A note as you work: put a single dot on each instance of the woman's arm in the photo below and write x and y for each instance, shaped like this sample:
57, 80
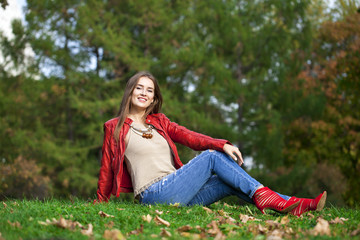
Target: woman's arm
106, 173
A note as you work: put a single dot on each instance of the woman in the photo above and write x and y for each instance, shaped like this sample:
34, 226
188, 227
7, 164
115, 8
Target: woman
139, 155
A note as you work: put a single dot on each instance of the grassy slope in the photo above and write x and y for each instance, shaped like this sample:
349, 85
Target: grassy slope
128, 217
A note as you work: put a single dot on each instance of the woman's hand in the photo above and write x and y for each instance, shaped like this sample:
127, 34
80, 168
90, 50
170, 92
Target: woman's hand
234, 153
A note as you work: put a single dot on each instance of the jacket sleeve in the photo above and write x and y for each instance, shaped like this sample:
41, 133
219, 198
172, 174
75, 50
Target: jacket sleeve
191, 139
106, 172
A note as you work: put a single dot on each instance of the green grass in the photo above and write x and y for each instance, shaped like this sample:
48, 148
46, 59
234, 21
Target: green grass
128, 217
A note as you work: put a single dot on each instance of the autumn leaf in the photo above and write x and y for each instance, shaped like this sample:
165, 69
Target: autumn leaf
137, 231
244, 218
102, 214
4, 204
113, 234
285, 220
311, 216
275, 235
175, 205
271, 224
159, 221
185, 228
109, 224
88, 231
338, 220
322, 228
213, 228
147, 218
120, 209
165, 233
15, 224
158, 212
208, 210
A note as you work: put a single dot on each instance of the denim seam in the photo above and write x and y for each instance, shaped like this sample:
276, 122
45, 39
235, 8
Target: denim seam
229, 165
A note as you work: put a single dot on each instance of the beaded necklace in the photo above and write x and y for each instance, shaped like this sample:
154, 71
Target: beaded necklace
145, 133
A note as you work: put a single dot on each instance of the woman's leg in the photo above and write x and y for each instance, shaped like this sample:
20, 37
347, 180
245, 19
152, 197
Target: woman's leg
183, 185
214, 190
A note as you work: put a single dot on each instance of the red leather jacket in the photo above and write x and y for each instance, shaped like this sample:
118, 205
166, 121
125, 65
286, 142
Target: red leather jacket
114, 177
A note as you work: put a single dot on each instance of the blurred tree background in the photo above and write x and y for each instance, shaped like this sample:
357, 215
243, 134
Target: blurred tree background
280, 79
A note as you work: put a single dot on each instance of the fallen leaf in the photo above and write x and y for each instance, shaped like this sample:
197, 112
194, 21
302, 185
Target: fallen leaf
262, 229
311, 216
102, 214
159, 220
338, 220
147, 218
153, 235
120, 209
221, 212
275, 235
15, 203
208, 210
355, 232
109, 224
15, 224
165, 233
271, 224
4, 204
188, 211
88, 231
113, 234
285, 220
213, 228
322, 228
244, 218
158, 212
185, 228
137, 231
175, 204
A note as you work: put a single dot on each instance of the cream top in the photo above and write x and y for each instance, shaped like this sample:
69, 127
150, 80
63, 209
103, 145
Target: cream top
147, 159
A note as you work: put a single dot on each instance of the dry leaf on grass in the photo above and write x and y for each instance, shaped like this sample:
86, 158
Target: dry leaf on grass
175, 205
285, 220
244, 218
4, 204
208, 210
338, 220
109, 224
272, 224
213, 228
102, 214
159, 221
69, 224
185, 228
355, 232
147, 218
165, 233
275, 235
158, 212
311, 216
113, 234
88, 231
322, 228
15, 224
120, 209
137, 231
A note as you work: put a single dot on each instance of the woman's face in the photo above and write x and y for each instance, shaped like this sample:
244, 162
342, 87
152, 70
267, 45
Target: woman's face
143, 94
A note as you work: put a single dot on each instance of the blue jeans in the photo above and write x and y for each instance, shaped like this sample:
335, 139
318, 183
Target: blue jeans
207, 178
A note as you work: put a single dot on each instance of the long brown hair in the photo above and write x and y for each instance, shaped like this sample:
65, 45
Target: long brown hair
125, 105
